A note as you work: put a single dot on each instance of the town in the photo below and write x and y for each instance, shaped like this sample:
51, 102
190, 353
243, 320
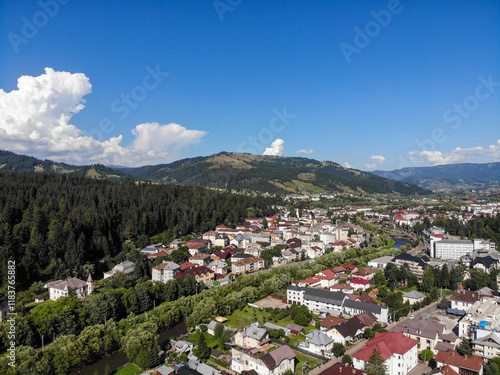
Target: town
425, 305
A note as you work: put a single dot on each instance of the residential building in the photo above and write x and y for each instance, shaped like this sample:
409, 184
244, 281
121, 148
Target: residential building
318, 343
219, 267
398, 352
247, 265
482, 315
463, 299
430, 335
364, 273
380, 263
268, 325
455, 249
277, 362
486, 344
472, 365
165, 272
200, 259
416, 265
252, 336
195, 248
329, 322
342, 369
202, 274
125, 267
64, 288
413, 297
319, 300
347, 331
485, 264
359, 284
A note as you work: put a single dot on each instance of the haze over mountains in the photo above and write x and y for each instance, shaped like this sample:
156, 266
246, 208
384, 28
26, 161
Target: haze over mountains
449, 177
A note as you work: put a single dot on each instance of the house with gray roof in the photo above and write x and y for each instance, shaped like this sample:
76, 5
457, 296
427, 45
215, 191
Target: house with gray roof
205, 369
413, 297
324, 301
429, 334
487, 345
252, 336
318, 343
182, 346
125, 267
277, 327
211, 327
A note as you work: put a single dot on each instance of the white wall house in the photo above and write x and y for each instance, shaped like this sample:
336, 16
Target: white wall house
165, 272
398, 351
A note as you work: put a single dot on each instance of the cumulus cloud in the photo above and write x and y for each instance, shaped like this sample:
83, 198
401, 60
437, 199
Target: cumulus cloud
36, 117
347, 165
303, 151
276, 148
377, 160
460, 155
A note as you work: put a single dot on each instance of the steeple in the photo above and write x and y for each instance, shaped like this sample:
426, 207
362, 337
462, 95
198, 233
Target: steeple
90, 283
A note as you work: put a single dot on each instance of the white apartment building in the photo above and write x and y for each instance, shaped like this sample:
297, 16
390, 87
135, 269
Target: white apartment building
398, 351
165, 272
455, 249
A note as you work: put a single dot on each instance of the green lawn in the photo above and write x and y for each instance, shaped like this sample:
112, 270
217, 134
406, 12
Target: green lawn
295, 339
302, 358
237, 322
251, 314
211, 342
219, 362
130, 369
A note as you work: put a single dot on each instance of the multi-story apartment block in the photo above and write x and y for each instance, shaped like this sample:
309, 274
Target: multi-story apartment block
165, 272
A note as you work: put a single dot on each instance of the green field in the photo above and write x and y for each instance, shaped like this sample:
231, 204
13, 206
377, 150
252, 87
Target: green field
237, 322
219, 362
130, 369
302, 358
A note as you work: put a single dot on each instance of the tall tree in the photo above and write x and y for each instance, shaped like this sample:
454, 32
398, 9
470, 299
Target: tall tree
375, 364
428, 279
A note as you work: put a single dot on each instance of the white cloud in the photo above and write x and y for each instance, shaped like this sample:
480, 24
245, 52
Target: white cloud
276, 148
463, 155
347, 165
35, 119
303, 151
377, 160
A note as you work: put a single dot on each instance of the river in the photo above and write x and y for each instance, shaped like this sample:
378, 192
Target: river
119, 359
399, 242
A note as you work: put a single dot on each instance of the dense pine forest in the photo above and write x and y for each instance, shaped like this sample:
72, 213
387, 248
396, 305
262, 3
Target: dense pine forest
53, 224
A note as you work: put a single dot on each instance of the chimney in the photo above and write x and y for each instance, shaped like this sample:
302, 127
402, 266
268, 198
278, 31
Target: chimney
340, 369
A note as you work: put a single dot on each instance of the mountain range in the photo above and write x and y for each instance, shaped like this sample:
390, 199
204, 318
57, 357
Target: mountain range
449, 177
277, 174
234, 171
22, 163
270, 174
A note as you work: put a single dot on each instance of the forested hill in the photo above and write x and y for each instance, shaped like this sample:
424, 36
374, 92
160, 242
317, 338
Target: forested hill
52, 224
272, 174
450, 177
22, 163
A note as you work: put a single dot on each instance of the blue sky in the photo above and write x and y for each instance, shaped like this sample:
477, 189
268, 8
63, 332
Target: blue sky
418, 87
